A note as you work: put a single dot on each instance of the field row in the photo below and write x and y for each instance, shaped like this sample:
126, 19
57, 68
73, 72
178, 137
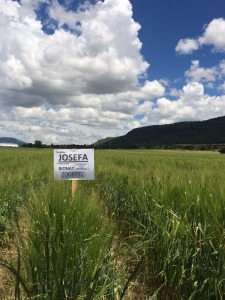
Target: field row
152, 218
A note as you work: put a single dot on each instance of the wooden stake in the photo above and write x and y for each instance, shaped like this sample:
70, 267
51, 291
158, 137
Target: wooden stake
74, 187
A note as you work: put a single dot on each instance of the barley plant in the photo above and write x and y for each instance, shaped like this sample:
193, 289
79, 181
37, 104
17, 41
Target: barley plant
173, 204
150, 226
22, 171
63, 245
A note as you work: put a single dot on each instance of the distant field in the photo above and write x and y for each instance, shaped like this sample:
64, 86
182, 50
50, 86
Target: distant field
165, 209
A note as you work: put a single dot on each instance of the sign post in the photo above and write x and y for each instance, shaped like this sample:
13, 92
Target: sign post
74, 164
74, 187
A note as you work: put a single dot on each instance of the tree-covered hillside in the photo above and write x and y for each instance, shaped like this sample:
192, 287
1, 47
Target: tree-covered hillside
185, 133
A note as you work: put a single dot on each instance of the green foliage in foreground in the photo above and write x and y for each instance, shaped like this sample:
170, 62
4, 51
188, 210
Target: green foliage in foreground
22, 172
64, 244
174, 204
169, 205
64, 247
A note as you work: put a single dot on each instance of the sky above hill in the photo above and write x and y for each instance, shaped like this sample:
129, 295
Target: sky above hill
76, 71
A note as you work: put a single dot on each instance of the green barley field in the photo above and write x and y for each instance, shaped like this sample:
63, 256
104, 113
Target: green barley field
150, 226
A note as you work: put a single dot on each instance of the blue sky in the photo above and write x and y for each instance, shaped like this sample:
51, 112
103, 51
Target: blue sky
164, 23
76, 71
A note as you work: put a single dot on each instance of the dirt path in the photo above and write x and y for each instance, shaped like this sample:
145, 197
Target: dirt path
6, 281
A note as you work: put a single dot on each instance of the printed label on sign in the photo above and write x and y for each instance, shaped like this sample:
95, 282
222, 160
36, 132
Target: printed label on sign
74, 164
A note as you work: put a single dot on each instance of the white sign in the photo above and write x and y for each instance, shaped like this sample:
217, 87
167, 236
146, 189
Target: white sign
74, 164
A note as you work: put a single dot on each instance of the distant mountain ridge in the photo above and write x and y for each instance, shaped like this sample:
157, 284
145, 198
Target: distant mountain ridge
211, 131
9, 140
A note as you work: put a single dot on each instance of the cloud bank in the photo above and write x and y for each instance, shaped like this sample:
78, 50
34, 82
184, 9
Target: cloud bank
86, 72
77, 75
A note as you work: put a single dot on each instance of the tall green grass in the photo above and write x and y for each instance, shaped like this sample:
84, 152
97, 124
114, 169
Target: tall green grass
22, 171
64, 245
169, 207
174, 205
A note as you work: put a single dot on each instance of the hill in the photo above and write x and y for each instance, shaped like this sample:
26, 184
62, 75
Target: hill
211, 131
9, 140
102, 141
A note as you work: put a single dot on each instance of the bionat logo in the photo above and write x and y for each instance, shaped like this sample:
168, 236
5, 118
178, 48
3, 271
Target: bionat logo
76, 157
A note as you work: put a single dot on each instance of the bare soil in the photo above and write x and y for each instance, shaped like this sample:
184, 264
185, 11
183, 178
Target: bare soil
6, 281
136, 289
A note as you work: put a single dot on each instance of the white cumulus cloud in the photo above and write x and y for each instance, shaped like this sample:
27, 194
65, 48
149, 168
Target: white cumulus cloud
86, 73
197, 73
78, 75
187, 46
213, 35
192, 104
